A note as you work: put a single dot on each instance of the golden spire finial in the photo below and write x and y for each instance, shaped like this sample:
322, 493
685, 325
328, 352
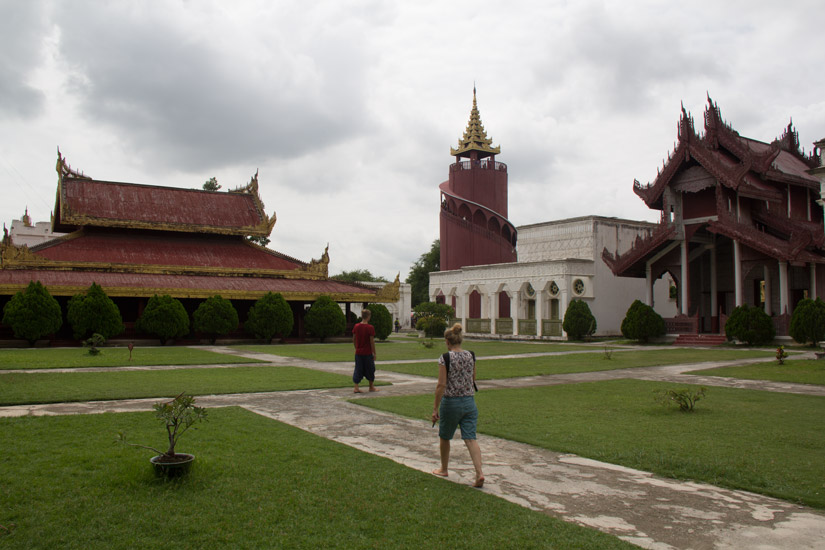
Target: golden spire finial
475, 137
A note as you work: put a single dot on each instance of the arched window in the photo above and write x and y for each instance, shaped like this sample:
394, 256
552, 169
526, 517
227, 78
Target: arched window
479, 218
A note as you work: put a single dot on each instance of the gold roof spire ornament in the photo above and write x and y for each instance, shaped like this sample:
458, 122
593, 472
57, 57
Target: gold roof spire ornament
475, 137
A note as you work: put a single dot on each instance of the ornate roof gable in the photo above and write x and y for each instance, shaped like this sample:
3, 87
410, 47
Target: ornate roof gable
730, 158
475, 137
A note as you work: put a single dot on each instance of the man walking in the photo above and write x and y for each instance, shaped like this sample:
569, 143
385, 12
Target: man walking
363, 338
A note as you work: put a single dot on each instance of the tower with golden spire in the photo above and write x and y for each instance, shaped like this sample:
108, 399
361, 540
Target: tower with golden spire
474, 228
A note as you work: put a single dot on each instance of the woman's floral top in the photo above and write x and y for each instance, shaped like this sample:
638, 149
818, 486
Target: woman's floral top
460, 375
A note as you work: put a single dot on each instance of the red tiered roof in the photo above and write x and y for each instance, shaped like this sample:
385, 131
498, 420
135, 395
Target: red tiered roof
139, 240
743, 164
161, 248
103, 203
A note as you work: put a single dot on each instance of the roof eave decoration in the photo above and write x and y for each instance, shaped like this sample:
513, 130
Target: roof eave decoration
475, 137
251, 188
652, 192
390, 292
621, 263
320, 267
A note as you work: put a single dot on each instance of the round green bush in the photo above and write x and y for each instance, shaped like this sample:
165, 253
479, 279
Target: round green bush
215, 317
750, 325
381, 320
578, 320
325, 318
808, 322
432, 325
33, 313
94, 313
164, 317
642, 323
269, 316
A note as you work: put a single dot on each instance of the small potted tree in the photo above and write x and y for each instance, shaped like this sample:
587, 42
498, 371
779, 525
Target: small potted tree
178, 415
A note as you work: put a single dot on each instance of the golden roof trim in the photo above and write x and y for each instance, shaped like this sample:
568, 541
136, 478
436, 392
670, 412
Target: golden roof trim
390, 292
130, 292
319, 268
475, 137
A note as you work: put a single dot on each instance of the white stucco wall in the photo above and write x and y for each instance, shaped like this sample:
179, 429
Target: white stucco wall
559, 252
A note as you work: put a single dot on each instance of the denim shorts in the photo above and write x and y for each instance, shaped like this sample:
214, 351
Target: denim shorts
455, 412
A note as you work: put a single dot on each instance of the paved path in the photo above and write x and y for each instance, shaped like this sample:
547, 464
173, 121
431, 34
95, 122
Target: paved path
639, 507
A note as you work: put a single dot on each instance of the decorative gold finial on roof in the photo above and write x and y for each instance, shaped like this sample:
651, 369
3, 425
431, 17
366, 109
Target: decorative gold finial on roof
475, 137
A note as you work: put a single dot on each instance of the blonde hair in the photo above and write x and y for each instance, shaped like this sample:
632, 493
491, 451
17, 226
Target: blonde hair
453, 334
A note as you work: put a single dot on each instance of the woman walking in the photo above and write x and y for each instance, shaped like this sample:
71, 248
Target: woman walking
455, 405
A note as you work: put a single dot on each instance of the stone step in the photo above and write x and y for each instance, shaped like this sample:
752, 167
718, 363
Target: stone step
700, 340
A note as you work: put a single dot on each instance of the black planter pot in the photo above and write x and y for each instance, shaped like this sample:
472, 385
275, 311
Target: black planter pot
164, 467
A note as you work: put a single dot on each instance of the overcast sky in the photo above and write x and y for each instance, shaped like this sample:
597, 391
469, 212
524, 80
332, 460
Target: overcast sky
348, 109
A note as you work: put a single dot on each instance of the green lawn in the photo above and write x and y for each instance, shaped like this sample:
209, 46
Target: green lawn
256, 483
112, 357
399, 350
764, 442
48, 387
809, 371
490, 369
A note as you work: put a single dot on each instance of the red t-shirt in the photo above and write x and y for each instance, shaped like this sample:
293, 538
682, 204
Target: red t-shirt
362, 332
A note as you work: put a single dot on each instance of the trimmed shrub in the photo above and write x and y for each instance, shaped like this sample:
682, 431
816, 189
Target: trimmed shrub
94, 313
578, 320
432, 325
215, 317
808, 322
164, 317
432, 318
325, 318
642, 323
750, 325
269, 316
381, 320
33, 313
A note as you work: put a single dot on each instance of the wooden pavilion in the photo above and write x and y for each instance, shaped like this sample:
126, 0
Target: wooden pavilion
740, 224
136, 241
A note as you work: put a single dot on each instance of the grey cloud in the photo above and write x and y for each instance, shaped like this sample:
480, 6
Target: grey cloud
196, 104
22, 31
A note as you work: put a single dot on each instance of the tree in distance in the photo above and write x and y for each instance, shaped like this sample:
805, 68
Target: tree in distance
211, 184
164, 317
94, 313
325, 318
419, 277
358, 275
381, 320
215, 316
33, 313
269, 316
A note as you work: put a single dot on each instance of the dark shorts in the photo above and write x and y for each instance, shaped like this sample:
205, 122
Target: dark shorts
455, 412
364, 368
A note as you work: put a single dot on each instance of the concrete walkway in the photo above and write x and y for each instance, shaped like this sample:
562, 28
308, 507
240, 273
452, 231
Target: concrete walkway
639, 507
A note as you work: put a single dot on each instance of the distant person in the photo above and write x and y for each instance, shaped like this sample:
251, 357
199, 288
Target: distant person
454, 402
363, 338
397, 326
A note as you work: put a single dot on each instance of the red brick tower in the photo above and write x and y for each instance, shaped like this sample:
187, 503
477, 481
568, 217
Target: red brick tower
474, 225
